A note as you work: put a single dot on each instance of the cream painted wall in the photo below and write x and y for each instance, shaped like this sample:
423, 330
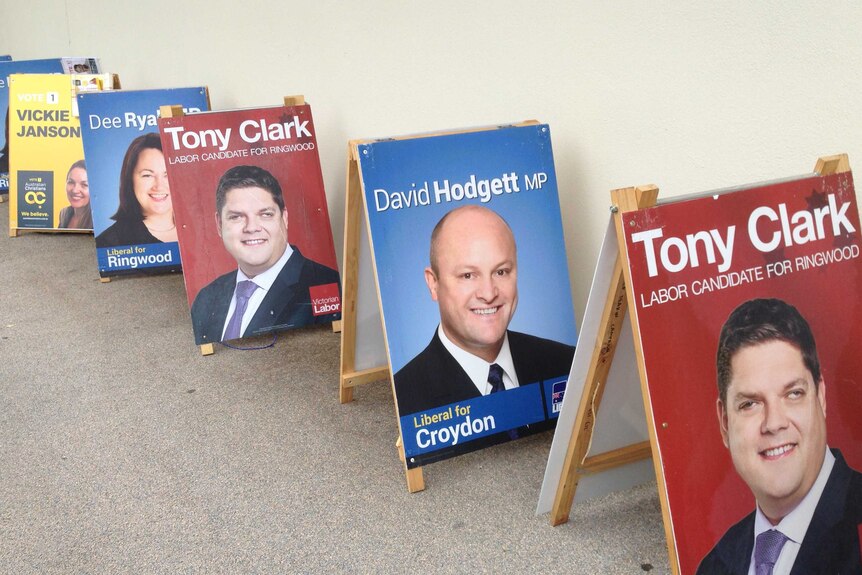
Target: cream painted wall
687, 95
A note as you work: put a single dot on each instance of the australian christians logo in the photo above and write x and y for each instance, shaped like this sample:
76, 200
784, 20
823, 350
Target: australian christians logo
325, 299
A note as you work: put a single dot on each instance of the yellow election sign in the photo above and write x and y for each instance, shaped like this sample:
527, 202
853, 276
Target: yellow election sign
48, 185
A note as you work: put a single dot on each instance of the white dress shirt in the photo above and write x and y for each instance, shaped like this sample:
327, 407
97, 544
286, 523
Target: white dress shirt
264, 282
477, 368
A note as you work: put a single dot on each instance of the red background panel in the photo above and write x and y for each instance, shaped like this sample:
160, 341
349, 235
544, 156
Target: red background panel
193, 187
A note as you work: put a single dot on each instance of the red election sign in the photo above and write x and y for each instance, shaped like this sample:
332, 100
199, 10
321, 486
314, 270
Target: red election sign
692, 263
248, 197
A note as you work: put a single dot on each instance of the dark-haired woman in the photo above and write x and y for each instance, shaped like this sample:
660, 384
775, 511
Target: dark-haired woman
77, 214
146, 213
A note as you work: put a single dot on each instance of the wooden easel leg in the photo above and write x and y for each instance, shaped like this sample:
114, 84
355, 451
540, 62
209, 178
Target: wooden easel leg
336, 326
297, 100
13, 232
207, 349
627, 200
105, 280
575, 464
350, 277
345, 394
4, 198
415, 480
828, 165
613, 314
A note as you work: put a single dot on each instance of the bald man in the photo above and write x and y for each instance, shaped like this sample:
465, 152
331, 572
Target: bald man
473, 277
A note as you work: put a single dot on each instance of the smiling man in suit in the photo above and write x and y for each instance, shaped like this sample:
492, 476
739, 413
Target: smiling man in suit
270, 289
772, 416
473, 277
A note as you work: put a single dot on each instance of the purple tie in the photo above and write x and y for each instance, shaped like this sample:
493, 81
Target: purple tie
767, 548
495, 378
244, 289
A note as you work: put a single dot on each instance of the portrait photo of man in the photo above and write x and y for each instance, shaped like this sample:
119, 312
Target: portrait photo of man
270, 289
771, 411
473, 278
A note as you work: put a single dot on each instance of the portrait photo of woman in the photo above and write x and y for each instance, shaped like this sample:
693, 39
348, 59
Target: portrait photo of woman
77, 214
145, 214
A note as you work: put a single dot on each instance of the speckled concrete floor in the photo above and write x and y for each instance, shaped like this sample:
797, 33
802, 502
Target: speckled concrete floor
123, 450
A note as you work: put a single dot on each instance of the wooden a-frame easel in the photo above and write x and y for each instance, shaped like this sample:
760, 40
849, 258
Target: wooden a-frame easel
618, 303
577, 463
354, 217
354, 210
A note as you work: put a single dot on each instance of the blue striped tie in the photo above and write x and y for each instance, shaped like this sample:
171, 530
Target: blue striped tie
495, 378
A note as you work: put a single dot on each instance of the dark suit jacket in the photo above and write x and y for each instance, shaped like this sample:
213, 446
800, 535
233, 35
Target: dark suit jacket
434, 378
126, 233
287, 303
831, 544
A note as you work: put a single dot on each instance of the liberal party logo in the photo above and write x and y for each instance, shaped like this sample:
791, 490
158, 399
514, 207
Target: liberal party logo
557, 393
